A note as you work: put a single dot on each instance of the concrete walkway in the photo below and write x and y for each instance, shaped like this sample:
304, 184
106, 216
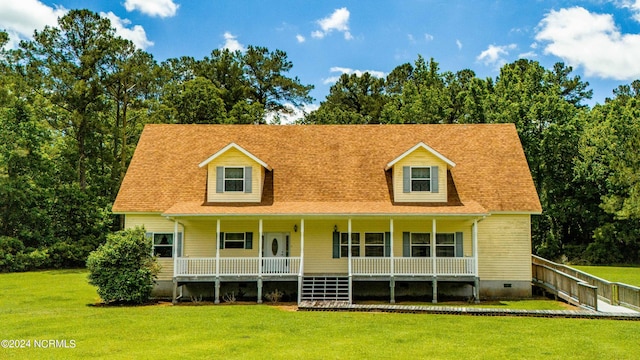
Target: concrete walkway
605, 307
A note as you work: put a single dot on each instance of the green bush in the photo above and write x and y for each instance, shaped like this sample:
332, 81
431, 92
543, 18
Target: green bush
15, 257
124, 269
9, 248
68, 254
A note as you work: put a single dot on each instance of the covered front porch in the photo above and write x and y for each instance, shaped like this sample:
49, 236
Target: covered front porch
343, 249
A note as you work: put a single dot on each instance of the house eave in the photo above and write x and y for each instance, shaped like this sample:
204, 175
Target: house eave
239, 148
416, 147
332, 215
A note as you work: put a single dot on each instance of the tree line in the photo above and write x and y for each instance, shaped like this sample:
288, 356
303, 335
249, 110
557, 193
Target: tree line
74, 100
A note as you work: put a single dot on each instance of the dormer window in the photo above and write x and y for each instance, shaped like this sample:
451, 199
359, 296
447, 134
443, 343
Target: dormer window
234, 175
420, 179
420, 175
233, 179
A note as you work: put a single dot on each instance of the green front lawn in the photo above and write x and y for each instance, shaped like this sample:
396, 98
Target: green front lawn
59, 305
627, 275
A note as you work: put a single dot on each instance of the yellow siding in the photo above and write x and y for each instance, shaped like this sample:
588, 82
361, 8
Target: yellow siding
504, 244
154, 223
420, 157
503, 240
425, 226
234, 157
318, 248
200, 236
166, 268
319, 239
151, 222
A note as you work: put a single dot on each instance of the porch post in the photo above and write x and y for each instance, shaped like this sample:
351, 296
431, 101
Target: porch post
260, 261
175, 260
392, 282
218, 241
474, 237
433, 261
349, 264
301, 271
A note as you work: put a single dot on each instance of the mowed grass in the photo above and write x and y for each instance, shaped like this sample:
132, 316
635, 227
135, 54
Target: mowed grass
627, 275
59, 305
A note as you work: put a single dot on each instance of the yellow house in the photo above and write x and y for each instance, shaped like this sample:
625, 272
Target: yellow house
334, 212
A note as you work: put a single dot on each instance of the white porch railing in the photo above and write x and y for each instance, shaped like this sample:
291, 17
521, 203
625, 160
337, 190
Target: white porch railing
278, 266
243, 266
238, 266
455, 266
371, 266
195, 266
413, 266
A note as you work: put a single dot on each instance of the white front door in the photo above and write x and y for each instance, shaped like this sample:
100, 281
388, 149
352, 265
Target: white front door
275, 245
274, 252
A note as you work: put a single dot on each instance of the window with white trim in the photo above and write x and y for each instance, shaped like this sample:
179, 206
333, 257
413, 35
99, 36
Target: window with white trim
420, 179
234, 240
420, 244
233, 179
445, 245
163, 245
344, 244
374, 244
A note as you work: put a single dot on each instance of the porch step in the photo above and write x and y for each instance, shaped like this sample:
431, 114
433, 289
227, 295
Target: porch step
325, 288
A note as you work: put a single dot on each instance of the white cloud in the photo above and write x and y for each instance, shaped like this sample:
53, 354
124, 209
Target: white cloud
459, 44
20, 21
21, 18
428, 37
591, 40
231, 42
344, 70
632, 5
528, 55
337, 21
494, 55
159, 8
411, 38
136, 34
296, 114
300, 38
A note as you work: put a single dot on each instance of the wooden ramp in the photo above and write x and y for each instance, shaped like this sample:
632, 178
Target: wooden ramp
582, 289
454, 310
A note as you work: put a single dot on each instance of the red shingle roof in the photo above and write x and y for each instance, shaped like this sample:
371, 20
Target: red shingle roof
328, 169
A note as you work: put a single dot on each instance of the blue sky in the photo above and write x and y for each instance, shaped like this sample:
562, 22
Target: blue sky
323, 39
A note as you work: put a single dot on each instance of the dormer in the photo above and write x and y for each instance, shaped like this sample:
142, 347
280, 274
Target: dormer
234, 175
420, 175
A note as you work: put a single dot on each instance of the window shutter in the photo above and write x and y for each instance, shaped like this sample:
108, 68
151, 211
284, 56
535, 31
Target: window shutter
149, 235
336, 245
247, 179
406, 179
406, 244
221, 240
219, 179
179, 245
387, 244
248, 240
287, 246
459, 245
434, 179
